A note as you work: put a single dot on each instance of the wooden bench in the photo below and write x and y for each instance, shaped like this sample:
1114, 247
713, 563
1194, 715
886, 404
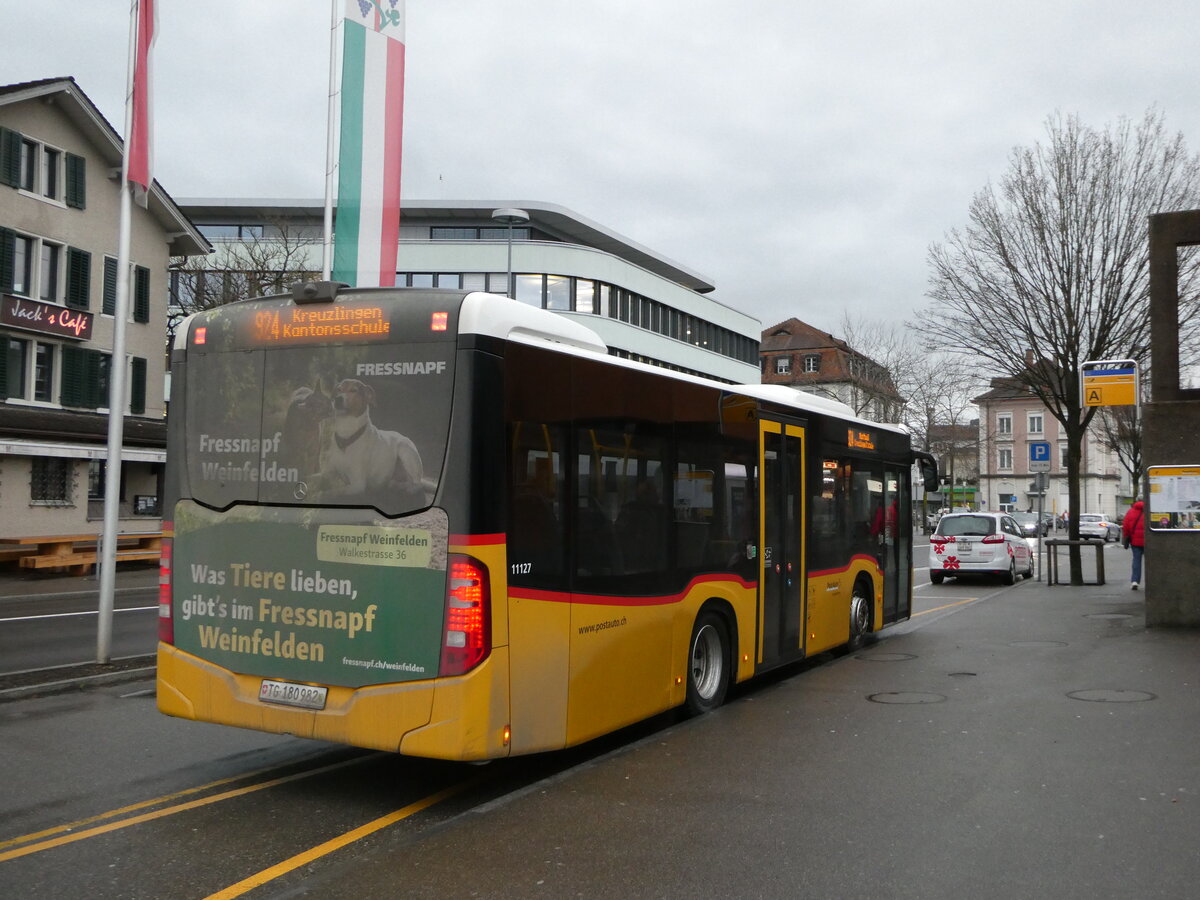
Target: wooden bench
79, 553
8, 554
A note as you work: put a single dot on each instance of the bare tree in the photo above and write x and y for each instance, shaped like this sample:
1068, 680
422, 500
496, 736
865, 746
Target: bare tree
936, 388
1054, 260
881, 355
265, 260
1119, 430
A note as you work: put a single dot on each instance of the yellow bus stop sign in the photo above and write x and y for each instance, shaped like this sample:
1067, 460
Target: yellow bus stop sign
1110, 383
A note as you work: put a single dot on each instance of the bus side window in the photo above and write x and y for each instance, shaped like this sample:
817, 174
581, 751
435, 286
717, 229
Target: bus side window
621, 513
535, 533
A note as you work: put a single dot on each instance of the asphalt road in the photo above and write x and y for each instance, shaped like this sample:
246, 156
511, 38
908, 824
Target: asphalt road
947, 759
38, 632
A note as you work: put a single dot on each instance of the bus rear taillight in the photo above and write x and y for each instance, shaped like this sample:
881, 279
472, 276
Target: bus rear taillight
468, 634
166, 624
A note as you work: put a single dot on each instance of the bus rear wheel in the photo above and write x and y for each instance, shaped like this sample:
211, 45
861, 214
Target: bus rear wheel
860, 614
708, 664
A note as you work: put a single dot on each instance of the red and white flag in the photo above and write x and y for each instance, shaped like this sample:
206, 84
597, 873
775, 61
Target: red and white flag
139, 149
367, 236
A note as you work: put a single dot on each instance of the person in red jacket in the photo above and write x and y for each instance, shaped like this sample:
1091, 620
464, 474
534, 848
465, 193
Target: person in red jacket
1133, 530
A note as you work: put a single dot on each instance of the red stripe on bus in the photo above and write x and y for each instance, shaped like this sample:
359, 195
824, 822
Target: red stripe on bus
846, 568
614, 600
477, 540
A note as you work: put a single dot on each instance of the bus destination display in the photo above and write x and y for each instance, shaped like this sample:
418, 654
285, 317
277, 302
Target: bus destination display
309, 324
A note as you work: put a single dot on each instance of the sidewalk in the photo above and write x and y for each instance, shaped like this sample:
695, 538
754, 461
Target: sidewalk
1032, 742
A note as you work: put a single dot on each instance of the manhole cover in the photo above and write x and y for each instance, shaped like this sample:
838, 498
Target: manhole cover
885, 657
1038, 644
1112, 696
905, 697
1108, 616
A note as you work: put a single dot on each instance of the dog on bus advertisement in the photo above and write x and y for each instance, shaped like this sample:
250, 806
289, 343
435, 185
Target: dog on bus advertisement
330, 426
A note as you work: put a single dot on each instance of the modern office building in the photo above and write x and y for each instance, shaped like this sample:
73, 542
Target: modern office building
59, 217
643, 305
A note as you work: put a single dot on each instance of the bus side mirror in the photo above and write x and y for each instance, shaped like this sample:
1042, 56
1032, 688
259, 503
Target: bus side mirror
929, 473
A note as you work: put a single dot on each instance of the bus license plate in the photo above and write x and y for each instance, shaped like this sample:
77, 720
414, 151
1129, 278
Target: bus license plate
306, 696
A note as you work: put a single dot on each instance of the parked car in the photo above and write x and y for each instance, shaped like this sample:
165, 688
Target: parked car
1102, 528
1031, 525
980, 543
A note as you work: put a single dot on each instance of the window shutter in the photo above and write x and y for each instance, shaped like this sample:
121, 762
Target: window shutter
76, 195
97, 380
73, 366
141, 294
109, 300
79, 276
8, 250
137, 387
10, 157
84, 378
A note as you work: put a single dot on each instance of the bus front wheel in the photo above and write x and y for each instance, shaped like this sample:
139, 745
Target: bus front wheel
708, 664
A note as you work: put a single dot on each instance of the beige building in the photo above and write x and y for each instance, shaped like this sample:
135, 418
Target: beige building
1010, 420
59, 209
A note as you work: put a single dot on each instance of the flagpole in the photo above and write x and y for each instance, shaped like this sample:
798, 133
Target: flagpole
116, 374
330, 142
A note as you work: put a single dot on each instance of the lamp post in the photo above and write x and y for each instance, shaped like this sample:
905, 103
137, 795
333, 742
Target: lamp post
510, 217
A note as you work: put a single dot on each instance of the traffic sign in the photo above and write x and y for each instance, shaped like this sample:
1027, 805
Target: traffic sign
1039, 456
1110, 382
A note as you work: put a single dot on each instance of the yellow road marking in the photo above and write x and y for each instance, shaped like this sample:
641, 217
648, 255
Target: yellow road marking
947, 606
112, 813
314, 853
157, 814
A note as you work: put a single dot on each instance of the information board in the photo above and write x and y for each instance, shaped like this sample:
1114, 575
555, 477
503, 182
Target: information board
1174, 498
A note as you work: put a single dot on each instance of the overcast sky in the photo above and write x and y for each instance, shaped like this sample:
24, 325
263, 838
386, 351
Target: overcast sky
803, 155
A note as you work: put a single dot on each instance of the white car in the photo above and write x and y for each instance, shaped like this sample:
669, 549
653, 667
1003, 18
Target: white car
979, 543
1102, 528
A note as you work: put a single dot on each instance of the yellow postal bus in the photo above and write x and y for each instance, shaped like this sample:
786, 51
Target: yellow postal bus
450, 525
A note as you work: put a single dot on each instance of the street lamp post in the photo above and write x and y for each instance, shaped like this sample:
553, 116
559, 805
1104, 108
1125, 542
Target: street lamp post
510, 217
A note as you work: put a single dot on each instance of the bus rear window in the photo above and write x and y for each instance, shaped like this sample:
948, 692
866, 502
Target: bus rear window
349, 425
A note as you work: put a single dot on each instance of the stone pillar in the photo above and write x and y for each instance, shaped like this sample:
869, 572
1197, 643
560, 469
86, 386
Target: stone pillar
1170, 425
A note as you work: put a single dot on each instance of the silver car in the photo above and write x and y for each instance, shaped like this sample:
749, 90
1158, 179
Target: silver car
1093, 526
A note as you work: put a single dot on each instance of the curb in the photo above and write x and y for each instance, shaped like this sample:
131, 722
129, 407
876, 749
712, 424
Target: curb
80, 683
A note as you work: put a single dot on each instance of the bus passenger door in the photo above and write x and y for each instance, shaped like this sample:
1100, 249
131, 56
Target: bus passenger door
896, 553
782, 562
